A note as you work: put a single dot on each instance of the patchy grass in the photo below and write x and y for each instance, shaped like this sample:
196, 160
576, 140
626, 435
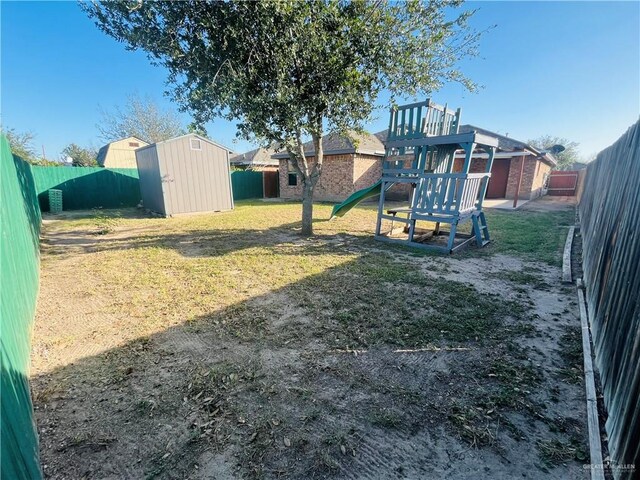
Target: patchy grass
230, 346
533, 235
554, 452
570, 345
523, 279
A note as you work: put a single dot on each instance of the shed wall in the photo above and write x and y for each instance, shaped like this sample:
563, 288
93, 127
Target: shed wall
150, 180
194, 180
122, 155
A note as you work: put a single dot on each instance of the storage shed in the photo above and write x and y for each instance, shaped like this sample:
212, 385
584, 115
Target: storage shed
120, 153
185, 174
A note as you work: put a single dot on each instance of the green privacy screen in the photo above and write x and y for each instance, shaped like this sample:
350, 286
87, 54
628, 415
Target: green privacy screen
19, 265
246, 184
87, 187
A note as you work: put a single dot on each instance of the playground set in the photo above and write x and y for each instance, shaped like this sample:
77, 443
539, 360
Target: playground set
421, 146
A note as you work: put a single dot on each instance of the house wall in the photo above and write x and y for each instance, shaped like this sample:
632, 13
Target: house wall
533, 175
121, 154
341, 176
367, 170
334, 185
542, 171
532, 181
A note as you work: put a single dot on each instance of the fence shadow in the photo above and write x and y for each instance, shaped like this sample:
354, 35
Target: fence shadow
85, 188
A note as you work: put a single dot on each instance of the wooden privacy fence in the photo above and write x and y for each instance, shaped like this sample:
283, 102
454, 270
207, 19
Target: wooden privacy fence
564, 182
609, 215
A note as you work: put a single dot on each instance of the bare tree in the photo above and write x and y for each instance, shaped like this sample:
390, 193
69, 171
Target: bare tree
141, 117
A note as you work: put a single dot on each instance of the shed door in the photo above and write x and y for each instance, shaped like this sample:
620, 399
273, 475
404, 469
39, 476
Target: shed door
497, 187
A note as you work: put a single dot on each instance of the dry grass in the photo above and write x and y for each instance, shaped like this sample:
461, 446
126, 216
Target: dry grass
227, 346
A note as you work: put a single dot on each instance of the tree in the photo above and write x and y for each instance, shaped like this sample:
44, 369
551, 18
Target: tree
565, 158
21, 144
293, 70
193, 127
80, 157
141, 118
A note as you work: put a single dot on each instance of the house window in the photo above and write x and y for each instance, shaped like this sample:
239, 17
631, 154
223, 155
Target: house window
134, 144
293, 180
195, 144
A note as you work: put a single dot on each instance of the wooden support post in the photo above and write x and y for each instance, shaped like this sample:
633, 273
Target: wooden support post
491, 151
383, 188
468, 153
456, 125
392, 117
520, 173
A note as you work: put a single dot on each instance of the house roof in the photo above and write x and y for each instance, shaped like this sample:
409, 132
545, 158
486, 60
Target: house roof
102, 153
257, 156
373, 144
336, 144
508, 144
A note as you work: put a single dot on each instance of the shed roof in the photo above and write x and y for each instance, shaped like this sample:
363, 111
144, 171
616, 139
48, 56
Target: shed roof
194, 135
336, 144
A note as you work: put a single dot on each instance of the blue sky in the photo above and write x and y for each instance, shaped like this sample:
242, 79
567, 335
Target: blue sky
570, 69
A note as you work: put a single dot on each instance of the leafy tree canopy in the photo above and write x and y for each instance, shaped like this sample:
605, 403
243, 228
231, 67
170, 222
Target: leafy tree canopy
21, 144
141, 117
80, 157
287, 70
566, 158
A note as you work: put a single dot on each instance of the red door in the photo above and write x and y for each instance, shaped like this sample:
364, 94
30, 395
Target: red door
497, 187
270, 180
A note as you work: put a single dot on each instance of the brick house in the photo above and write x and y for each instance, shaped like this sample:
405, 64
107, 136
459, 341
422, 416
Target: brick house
508, 170
257, 159
349, 164
348, 168
519, 170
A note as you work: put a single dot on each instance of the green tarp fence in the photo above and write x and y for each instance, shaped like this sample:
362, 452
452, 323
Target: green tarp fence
246, 184
87, 187
19, 275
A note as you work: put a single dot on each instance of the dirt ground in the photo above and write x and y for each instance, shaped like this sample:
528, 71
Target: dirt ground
227, 347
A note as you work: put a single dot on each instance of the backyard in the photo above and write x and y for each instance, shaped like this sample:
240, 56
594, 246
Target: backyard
228, 346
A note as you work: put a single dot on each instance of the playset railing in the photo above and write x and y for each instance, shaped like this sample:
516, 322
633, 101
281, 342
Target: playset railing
424, 118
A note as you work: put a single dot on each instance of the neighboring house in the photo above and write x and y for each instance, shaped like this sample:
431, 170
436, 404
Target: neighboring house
121, 153
185, 174
349, 164
257, 159
515, 163
348, 168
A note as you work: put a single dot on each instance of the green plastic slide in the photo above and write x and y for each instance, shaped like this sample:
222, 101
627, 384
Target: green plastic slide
341, 208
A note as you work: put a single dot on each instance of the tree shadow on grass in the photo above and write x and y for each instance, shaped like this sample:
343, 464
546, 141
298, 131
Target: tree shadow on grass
195, 243
272, 386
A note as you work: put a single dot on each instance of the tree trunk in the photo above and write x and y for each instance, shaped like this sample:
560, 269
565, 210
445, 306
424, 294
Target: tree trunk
309, 176
307, 208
